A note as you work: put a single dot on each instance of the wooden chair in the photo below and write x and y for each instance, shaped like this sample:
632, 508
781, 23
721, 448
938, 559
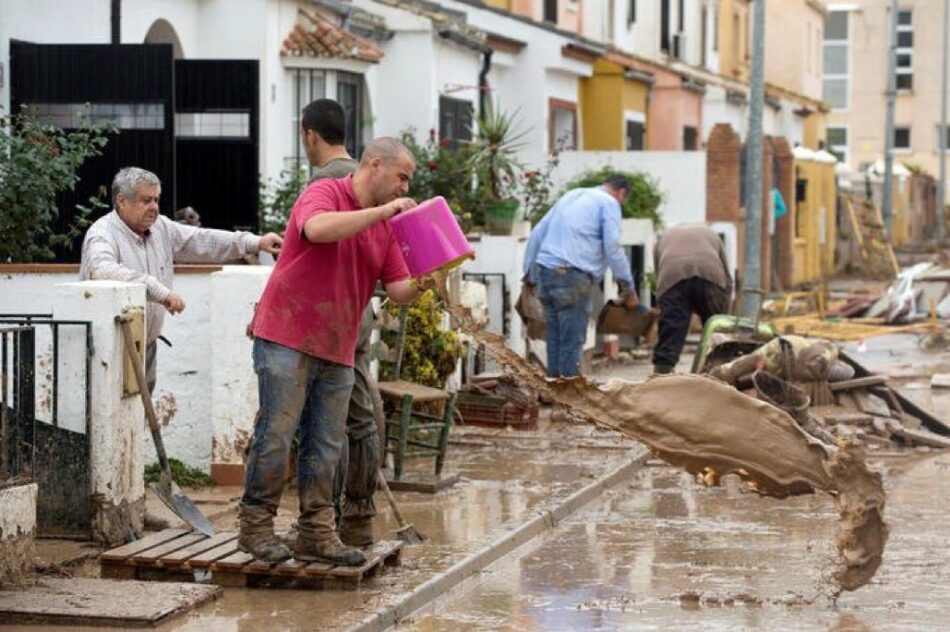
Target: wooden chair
407, 429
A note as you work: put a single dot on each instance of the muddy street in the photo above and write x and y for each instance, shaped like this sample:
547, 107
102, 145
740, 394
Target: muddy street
663, 553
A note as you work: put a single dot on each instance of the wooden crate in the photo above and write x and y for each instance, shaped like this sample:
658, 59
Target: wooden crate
176, 555
477, 409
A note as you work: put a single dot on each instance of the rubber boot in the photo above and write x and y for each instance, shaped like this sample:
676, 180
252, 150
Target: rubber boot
356, 531
257, 536
308, 549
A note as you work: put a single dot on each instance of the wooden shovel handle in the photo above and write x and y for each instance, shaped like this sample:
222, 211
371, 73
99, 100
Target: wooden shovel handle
136, 359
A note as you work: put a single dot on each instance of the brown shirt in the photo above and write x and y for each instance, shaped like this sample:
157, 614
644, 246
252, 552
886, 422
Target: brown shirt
684, 252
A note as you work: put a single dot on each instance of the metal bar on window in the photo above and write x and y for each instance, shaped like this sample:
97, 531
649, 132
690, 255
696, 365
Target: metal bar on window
55, 399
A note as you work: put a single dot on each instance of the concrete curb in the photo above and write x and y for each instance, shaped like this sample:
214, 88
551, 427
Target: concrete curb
501, 546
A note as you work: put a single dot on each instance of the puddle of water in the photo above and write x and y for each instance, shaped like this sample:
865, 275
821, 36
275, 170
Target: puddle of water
663, 553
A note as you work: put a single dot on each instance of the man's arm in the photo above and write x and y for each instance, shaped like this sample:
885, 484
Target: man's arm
534, 245
613, 251
725, 264
402, 292
191, 244
100, 260
330, 227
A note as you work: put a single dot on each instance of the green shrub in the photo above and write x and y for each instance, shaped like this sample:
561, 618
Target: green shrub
37, 163
430, 353
182, 474
277, 196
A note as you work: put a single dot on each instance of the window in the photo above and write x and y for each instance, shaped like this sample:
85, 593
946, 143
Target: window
634, 135
309, 85
550, 11
665, 26
901, 138
904, 71
631, 11
838, 143
562, 125
690, 137
946, 138
455, 120
835, 61
715, 26
141, 116
212, 124
349, 94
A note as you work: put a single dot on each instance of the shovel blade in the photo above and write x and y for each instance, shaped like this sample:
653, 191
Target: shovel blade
181, 506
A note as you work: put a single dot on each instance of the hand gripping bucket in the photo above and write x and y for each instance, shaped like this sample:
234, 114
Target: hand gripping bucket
431, 238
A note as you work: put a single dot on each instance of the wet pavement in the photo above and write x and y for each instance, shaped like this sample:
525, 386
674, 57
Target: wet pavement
656, 552
662, 552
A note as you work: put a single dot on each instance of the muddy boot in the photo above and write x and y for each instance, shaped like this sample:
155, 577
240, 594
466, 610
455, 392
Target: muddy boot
308, 549
663, 369
257, 536
357, 531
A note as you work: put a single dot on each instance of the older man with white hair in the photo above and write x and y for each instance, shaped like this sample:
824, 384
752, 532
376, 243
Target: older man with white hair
136, 243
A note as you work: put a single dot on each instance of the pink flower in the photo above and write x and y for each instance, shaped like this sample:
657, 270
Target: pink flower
444, 142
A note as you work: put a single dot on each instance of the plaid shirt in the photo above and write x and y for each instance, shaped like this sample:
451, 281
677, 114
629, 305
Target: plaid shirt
112, 250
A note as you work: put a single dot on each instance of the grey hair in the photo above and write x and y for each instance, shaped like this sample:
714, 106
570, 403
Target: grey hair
128, 178
385, 147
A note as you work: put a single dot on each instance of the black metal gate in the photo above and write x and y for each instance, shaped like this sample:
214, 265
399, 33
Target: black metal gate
194, 123
216, 111
45, 450
128, 84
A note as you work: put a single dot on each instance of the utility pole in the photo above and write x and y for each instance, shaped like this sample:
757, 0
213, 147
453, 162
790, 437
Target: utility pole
752, 276
887, 203
942, 182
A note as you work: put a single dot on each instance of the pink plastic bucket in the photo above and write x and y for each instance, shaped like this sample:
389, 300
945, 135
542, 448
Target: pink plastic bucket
431, 238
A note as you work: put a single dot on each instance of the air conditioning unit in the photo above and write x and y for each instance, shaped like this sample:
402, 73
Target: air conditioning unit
679, 45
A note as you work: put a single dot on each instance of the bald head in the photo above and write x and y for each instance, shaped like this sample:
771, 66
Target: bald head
385, 148
385, 171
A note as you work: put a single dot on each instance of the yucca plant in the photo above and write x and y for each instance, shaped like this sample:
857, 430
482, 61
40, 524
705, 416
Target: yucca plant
495, 165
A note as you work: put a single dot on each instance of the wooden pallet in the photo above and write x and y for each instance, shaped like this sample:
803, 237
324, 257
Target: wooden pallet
177, 554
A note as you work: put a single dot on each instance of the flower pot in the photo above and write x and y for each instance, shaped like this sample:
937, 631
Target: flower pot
500, 216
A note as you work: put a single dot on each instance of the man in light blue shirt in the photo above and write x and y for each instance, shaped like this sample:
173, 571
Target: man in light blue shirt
568, 252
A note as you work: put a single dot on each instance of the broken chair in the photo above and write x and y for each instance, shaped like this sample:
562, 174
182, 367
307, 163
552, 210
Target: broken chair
409, 430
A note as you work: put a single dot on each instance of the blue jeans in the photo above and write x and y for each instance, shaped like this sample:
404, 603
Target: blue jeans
566, 296
296, 389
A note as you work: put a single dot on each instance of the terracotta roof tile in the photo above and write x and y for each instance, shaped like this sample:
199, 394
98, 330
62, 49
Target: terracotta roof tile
316, 36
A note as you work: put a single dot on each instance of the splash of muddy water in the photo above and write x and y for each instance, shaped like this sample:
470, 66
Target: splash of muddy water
710, 429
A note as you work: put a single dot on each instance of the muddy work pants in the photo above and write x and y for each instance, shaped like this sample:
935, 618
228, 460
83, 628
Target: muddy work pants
296, 390
566, 296
354, 483
677, 306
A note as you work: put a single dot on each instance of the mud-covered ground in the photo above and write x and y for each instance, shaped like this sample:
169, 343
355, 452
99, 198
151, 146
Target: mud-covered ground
662, 552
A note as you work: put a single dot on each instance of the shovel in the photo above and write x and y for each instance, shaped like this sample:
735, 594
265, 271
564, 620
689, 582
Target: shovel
406, 532
165, 488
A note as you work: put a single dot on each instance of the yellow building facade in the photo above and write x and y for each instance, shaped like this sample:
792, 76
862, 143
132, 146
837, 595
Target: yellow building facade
610, 99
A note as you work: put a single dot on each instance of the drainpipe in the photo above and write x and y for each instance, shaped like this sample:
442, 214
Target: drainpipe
483, 84
115, 20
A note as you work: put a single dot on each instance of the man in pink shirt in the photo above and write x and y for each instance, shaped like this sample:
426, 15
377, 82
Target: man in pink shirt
337, 245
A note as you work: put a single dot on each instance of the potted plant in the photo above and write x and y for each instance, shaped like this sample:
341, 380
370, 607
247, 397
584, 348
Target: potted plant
493, 162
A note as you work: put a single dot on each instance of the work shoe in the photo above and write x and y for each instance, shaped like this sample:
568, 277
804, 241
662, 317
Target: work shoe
663, 369
357, 532
330, 550
264, 546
